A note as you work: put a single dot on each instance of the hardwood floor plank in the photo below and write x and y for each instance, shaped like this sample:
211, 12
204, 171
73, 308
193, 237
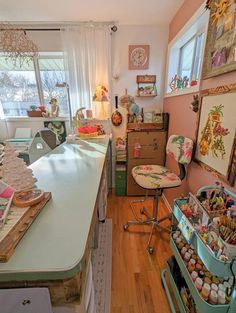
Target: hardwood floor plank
136, 282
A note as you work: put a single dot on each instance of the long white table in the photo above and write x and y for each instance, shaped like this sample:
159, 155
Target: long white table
54, 246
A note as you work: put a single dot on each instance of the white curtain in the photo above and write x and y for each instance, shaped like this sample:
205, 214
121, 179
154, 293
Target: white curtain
87, 53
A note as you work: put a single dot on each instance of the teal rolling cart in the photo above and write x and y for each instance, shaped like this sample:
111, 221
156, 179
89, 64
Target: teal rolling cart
213, 265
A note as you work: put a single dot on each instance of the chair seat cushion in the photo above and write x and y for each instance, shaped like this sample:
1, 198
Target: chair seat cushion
155, 177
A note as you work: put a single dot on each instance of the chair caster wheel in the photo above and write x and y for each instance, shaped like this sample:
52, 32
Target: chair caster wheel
150, 250
125, 227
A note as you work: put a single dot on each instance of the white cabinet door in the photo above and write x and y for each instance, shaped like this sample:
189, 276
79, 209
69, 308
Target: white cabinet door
25, 300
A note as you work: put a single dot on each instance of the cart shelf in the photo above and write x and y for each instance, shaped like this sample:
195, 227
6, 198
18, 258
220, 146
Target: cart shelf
213, 264
201, 304
174, 288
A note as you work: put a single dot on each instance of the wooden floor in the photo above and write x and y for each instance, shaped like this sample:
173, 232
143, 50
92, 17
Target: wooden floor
136, 283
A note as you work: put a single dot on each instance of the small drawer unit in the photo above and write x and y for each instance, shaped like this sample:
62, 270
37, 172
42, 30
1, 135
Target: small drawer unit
120, 179
144, 147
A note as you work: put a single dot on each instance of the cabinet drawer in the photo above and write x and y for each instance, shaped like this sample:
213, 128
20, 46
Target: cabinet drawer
156, 152
120, 178
146, 138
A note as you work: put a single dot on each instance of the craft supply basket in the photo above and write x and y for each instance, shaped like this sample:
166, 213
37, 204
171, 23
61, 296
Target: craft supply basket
209, 189
213, 265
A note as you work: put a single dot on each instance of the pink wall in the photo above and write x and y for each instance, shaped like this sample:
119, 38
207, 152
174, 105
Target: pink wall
182, 119
188, 8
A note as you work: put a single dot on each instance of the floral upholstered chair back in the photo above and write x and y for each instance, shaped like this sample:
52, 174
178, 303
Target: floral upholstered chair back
181, 148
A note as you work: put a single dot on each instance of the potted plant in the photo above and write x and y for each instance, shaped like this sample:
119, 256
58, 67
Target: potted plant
33, 112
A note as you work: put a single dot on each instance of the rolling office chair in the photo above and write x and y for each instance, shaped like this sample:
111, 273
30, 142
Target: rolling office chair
156, 177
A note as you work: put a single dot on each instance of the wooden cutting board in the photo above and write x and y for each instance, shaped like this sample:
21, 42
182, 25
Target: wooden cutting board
19, 220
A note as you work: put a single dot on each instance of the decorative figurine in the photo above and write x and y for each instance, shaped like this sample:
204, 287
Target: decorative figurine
185, 82
13, 170
194, 105
54, 109
79, 115
173, 83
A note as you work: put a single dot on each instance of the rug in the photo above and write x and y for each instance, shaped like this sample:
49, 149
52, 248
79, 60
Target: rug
102, 265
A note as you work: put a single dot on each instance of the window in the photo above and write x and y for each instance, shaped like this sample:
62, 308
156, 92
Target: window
185, 53
190, 58
32, 84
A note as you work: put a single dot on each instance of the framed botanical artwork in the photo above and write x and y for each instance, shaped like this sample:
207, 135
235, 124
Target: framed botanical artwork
220, 50
138, 57
216, 132
57, 127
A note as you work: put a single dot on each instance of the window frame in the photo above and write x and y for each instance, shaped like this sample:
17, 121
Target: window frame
39, 85
195, 27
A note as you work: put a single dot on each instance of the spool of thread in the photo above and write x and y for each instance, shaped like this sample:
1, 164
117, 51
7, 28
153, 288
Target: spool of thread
198, 267
191, 265
215, 280
178, 240
221, 287
198, 283
214, 287
175, 236
190, 251
213, 297
180, 245
187, 257
194, 275
183, 251
207, 280
205, 292
221, 297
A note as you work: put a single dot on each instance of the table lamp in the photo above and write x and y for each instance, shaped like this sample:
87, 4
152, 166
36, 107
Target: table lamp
101, 96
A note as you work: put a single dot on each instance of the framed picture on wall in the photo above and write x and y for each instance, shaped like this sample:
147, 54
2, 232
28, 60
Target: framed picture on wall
220, 50
216, 139
57, 127
138, 57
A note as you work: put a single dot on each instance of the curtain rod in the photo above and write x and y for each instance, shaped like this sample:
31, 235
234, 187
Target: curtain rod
113, 28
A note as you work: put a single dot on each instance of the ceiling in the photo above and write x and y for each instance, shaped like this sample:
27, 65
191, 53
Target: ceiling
134, 12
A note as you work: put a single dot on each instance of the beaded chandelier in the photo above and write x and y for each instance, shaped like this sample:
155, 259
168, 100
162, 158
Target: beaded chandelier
15, 44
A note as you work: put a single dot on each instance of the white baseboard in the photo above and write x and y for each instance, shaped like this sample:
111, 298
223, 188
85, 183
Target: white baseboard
166, 202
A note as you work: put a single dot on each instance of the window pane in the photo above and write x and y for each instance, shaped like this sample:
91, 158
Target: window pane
198, 57
51, 73
18, 88
186, 59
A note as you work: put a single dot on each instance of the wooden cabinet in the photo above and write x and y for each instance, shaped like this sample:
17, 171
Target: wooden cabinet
152, 145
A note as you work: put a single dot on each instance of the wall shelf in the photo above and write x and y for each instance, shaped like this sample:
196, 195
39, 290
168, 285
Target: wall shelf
146, 86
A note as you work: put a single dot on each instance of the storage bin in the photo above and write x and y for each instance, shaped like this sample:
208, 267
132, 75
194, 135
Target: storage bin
120, 180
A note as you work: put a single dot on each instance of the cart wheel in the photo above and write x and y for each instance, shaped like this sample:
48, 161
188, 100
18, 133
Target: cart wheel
150, 250
125, 227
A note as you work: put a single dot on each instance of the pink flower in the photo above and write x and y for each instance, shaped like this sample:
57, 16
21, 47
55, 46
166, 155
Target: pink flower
170, 176
146, 167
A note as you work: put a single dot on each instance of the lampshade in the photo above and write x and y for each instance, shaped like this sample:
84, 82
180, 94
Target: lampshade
101, 93
100, 104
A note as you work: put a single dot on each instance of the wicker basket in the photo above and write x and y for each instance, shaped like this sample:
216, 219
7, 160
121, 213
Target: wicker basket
34, 113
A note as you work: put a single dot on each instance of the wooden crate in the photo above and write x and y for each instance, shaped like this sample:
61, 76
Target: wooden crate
24, 219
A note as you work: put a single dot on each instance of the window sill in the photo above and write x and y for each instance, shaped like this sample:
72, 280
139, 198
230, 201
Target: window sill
182, 92
34, 119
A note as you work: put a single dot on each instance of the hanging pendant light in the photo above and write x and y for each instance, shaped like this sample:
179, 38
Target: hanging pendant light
15, 44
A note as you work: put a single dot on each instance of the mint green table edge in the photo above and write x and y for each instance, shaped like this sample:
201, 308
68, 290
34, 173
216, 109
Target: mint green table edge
85, 161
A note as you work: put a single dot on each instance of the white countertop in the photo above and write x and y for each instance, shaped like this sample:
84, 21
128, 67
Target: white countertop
54, 245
